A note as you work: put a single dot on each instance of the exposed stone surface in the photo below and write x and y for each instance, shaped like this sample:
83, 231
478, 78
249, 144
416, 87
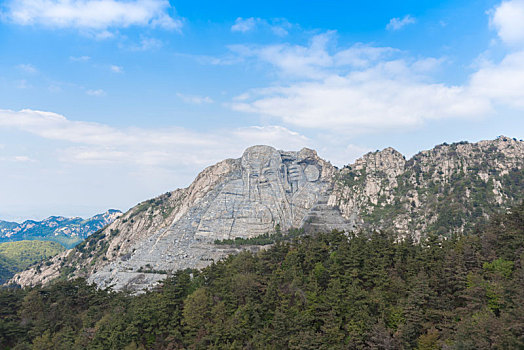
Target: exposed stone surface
243, 197
270, 187
264, 188
435, 191
440, 190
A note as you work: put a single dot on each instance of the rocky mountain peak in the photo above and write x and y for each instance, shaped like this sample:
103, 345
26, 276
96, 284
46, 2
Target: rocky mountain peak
270, 187
386, 163
235, 198
440, 190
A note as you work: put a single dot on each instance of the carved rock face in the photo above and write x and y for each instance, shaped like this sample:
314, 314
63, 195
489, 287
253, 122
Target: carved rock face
243, 197
248, 196
274, 187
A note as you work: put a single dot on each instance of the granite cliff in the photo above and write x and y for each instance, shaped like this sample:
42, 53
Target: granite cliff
444, 190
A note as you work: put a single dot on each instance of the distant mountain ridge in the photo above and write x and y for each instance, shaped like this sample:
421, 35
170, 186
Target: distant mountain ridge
446, 190
66, 231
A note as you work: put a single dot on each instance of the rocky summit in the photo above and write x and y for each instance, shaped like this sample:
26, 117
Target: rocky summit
437, 191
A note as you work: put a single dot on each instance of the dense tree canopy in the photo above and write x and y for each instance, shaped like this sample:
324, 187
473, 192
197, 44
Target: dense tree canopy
327, 291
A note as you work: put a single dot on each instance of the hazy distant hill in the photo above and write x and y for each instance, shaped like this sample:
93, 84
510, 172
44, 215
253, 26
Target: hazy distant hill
66, 231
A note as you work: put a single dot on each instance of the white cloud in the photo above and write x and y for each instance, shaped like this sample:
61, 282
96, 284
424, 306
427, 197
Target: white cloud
23, 159
314, 61
269, 135
28, 68
103, 35
116, 69
278, 26
398, 23
293, 60
82, 168
79, 58
501, 82
145, 44
100, 143
23, 84
244, 24
225, 60
18, 159
194, 99
363, 102
54, 88
96, 15
508, 19
98, 92
365, 88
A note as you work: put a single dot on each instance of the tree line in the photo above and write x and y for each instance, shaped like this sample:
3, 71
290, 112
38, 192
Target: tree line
324, 291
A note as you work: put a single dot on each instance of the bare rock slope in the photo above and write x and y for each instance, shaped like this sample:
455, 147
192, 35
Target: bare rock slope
442, 190
243, 197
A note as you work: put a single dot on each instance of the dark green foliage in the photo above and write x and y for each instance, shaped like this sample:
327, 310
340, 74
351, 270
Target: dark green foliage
7, 268
327, 291
265, 239
161, 202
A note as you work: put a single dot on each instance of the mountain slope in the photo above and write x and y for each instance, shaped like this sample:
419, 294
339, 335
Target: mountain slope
446, 190
323, 291
66, 231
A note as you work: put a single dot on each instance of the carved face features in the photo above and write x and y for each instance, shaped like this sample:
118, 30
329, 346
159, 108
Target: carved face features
295, 172
259, 170
267, 170
275, 187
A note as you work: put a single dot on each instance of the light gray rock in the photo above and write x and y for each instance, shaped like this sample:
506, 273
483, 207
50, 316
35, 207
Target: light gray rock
262, 189
382, 190
249, 196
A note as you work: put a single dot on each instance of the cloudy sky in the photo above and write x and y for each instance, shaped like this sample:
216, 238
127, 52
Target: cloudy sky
105, 103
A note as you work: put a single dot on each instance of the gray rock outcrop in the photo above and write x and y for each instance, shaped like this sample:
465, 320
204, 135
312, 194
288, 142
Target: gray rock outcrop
445, 190
244, 198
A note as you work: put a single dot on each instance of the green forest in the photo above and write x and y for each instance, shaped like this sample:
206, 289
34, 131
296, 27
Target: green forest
324, 291
18, 256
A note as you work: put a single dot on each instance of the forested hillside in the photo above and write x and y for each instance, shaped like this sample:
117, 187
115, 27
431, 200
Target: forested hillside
448, 189
17, 256
325, 291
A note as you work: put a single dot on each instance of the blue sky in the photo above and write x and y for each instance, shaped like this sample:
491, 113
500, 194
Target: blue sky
106, 103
